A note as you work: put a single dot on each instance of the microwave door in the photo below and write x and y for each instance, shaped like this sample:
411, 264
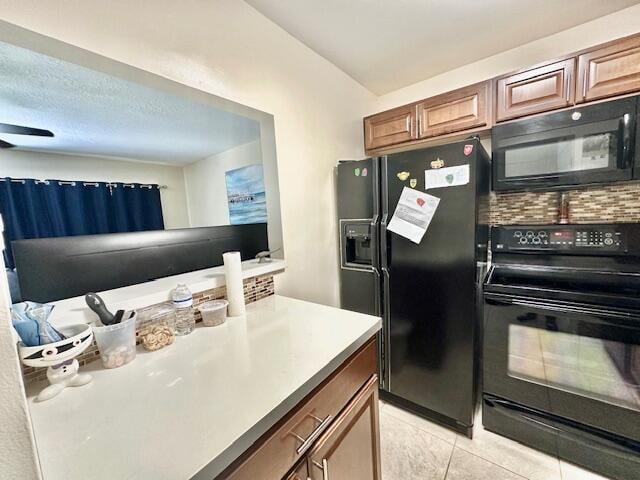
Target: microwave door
593, 152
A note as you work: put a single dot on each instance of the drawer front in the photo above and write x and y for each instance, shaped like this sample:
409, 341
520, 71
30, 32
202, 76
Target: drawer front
390, 128
609, 71
537, 90
455, 111
275, 455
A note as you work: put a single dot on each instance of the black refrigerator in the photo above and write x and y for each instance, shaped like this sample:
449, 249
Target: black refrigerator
428, 293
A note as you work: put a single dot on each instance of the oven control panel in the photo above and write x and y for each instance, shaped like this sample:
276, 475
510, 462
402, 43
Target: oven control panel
560, 238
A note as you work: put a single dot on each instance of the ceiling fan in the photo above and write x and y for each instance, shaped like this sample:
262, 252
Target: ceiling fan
18, 130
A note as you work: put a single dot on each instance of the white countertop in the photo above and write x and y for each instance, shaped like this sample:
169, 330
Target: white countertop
187, 411
75, 310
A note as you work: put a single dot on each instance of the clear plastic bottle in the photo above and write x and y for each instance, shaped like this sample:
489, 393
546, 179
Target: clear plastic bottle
183, 303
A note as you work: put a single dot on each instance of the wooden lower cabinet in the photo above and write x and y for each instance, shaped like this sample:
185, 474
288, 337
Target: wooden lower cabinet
282, 453
350, 448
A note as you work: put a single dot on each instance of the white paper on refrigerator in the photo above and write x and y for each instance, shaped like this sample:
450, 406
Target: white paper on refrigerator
446, 177
413, 214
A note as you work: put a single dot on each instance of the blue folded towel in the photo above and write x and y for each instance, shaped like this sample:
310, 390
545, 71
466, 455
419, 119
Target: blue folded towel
30, 321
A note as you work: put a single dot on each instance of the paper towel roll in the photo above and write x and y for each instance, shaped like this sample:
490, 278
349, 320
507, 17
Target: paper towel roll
233, 277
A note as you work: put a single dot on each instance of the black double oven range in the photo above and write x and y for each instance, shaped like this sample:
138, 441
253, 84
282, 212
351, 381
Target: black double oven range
561, 339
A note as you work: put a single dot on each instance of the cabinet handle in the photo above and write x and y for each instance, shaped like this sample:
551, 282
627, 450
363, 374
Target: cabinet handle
307, 442
584, 84
324, 466
419, 132
568, 87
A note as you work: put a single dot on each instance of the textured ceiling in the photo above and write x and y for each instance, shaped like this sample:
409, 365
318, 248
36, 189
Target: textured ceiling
389, 44
92, 113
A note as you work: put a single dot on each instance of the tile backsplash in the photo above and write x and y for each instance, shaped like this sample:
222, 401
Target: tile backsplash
255, 288
615, 203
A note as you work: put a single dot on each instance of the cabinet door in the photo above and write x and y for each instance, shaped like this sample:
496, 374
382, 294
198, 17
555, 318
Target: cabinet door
350, 448
608, 71
300, 473
535, 90
289, 441
454, 111
389, 128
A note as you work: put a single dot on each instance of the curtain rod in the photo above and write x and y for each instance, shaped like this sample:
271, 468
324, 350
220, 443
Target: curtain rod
86, 184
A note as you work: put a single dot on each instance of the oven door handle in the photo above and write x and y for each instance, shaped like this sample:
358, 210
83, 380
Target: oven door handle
499, 300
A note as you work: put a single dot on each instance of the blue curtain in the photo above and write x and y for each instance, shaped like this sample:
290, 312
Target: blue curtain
36, 209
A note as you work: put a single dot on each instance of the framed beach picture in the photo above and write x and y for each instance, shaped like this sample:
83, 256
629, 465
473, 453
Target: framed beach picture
245, 195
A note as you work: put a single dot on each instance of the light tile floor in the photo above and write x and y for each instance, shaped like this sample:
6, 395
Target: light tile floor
416, 449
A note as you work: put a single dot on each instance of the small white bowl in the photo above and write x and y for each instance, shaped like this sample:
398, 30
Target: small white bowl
79, 337
214, 312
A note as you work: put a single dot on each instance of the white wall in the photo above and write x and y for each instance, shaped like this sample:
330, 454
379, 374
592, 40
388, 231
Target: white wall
18, 458
229, 49
618, 24
206, 187
41, 165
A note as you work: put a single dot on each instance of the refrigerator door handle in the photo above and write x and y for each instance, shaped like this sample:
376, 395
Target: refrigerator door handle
384, 259
384, 254
377, 295
384, 196
375, 259
375, 178
386, 305
386, 328
375, 234
375, 220
379, 312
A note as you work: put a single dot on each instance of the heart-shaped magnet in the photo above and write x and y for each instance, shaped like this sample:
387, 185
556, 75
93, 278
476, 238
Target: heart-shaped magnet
420, 201
449, 178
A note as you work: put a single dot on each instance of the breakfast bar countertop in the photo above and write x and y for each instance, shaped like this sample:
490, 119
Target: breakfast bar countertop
189, 410
74, 310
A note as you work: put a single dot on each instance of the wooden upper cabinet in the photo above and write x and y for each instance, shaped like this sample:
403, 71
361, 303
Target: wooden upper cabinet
599, 72
389, 128
608, 71
454, 111
536, 90
350, 448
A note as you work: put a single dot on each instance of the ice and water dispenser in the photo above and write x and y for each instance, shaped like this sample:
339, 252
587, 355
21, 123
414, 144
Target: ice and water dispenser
356, 244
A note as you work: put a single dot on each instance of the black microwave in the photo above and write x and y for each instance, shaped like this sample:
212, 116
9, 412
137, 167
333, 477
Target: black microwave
583, 145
